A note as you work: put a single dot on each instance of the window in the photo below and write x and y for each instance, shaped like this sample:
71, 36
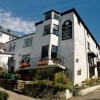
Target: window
47, 29
25, 58
28, 42
12, 47
56, 16
44, 54
48, 16
79, 72
54, 52
87, 33
97, 56
79, 21
55, 29
88, 45
11, 37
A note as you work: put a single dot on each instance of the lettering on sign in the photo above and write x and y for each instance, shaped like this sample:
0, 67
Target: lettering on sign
67, 30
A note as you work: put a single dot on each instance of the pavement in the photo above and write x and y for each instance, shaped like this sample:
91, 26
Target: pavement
95, 95
15, 96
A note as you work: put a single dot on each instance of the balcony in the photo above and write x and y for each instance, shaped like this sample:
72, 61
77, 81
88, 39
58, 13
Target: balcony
38, 62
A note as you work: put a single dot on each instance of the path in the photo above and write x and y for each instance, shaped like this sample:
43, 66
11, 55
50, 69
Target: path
95, 95
15, 96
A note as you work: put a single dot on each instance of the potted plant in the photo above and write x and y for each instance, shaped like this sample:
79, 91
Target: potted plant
25, 64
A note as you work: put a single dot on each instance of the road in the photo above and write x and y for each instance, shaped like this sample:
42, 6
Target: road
95, 95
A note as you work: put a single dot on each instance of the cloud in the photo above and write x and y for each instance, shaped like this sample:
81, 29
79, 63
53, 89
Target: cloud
17, 24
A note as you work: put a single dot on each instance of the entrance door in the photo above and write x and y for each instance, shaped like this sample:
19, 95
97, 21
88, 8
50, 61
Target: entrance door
10, 65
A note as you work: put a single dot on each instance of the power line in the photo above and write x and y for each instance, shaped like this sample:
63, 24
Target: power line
63, 7
44, 6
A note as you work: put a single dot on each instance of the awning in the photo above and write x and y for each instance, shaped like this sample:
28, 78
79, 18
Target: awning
92, 54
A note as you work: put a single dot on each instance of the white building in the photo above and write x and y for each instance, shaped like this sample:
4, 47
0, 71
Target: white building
5, 37
63, 40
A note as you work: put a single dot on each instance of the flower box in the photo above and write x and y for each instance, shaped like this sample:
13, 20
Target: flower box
23, 65
40, 63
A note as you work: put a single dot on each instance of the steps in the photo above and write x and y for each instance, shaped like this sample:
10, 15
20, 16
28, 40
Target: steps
20, 85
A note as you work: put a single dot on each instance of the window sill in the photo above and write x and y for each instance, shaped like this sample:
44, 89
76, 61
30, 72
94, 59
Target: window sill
55, 34
27, 46
52, 18
46, 34
11, 50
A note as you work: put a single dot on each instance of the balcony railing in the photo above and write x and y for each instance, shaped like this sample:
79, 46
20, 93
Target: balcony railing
38, 61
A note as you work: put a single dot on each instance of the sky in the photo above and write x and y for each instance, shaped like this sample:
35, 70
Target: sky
20, 16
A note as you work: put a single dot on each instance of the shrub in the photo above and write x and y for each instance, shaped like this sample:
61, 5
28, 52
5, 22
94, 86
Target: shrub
47, 82
62, 82
17, 76
7, 84
3, 95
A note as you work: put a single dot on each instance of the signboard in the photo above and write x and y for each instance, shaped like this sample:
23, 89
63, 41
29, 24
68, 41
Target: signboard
67, 30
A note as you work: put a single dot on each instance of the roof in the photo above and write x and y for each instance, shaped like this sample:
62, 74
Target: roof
20, 37
75, 12
46, 13
9, 33
51, 11
39, 23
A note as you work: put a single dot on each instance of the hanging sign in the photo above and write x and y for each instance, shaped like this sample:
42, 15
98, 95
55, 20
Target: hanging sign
67, 30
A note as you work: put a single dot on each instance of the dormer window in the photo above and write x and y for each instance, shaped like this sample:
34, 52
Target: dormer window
48, 16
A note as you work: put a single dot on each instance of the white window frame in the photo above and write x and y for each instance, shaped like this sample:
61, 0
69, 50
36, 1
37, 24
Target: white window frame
12, 46
28, 42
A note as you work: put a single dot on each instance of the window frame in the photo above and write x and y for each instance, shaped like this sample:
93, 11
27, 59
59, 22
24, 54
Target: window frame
46, 53
56, 29
27, 42
56, 18
88, 45
24, 58
11, 48
45, 29
48, 16
55, 52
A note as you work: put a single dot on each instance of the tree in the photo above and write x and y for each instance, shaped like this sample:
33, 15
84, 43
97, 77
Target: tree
0, 28
8, 30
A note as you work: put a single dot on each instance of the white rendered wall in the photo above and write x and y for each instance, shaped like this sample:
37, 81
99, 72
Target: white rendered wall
66, 47
38, 41
79, 52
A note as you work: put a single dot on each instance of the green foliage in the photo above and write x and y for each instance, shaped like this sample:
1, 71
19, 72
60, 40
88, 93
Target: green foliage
62, 82
3, 95
47, 88
47, 82
8, 30
17, 76
38, 77
7, 84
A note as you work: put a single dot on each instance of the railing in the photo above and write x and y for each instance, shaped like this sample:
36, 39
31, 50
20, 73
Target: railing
38, 61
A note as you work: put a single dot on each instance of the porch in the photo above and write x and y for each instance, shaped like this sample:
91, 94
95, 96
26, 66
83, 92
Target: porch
38, 62
44, 67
